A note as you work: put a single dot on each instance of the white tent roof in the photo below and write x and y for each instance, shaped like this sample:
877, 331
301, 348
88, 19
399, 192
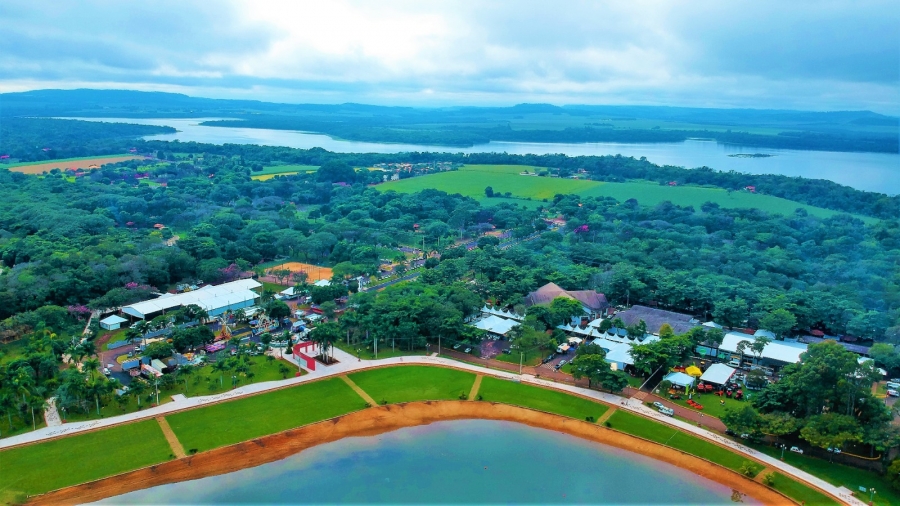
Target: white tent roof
289, 291
208, 297
776, 350
712, 325
504, 314
322, 282
680, 378
718, 374
113, 319
615, 351
495, 324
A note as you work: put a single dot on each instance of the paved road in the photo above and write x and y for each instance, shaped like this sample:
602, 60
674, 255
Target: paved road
348, 363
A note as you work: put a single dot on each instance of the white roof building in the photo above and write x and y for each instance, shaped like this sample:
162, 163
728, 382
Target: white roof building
214, 299
679, 378
112, 322
501, 313
718, 374
322, 282
495, 325
781, 351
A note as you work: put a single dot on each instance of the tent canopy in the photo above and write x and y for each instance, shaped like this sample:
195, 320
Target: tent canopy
718, 374
679, 378
693, 371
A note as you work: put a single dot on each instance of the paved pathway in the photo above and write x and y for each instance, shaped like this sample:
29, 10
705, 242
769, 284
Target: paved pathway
605, 416
362, 393
347, 363
475, 387
177, 449
51, 415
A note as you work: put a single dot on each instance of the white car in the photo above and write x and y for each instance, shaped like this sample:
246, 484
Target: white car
468, 350
667, 411
106, 371
796, 449
834, 450
659, 405
893, 393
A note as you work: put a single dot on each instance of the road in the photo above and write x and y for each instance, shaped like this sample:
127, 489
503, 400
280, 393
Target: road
348, 363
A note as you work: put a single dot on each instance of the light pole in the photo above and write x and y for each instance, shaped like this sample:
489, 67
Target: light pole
871, 495
782, 451
521, 360
233, 381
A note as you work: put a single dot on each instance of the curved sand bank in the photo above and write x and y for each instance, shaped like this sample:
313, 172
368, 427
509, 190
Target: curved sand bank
381, 419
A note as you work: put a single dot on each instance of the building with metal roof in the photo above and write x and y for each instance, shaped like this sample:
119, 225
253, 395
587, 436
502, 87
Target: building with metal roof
215, 299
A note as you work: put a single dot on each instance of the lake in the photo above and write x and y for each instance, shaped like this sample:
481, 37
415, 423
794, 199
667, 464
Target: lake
453, 462
864, 171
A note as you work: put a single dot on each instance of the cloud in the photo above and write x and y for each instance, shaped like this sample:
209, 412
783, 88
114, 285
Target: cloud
835, 55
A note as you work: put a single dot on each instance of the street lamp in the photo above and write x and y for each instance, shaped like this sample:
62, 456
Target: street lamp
233, 381
871, 495
700, 422
783, 446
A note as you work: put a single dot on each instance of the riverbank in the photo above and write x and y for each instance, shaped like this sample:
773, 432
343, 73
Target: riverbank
377, 420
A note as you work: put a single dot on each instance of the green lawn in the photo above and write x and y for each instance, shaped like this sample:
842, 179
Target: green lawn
711, 404
534, 358
13, 350
42, 467
259, 415
800, 492
551, 401
383, 351
648, 429
840, 475
471, 180
414, 383
60, 160
285, 169
206, 381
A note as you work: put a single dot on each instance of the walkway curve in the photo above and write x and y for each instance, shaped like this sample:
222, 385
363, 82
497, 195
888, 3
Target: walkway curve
349, 363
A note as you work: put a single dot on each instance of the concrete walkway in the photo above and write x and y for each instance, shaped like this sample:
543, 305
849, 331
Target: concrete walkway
174, 443
475, 387
348, 363
51, 415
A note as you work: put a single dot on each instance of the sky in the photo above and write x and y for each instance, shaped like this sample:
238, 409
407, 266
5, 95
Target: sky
823, 55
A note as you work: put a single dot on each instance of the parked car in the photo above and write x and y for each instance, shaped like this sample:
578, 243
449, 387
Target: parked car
745, 436
456, 346
796, 449
893, 385
667, 411
730, 432
106, 371
834, 450
659, 404
468, 350
893, 393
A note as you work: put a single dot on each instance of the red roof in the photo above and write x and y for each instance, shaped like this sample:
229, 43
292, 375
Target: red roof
816, 332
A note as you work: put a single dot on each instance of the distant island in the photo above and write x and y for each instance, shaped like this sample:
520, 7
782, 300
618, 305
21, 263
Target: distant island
750, 155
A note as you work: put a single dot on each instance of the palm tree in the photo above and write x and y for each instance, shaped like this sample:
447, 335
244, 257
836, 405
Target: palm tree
187, 371
137, 388
220, 368
38, 402
91, 365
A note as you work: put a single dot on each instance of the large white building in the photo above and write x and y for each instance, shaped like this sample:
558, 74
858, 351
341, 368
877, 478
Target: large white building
215, 299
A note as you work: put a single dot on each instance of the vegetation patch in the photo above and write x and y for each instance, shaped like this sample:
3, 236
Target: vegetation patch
42, 467
648, 429
551, 401
414, 383
67, 163
799, 492
235, 421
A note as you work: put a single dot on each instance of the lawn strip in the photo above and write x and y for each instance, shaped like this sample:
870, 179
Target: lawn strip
542, 399
414, 383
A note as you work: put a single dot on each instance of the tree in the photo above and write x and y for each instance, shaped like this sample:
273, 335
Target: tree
666, 331
730, 313
638, 330
779, 424
328, 308
91, 366
563, 309
759, 344
277, 310
743, 420
489, 192
589, 366
325, 336
779, 322
831, 430
336, 171
283, 370
159, 350
885, 355
893, 473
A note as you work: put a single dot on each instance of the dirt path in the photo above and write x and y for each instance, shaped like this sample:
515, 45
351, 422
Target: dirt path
177, 449
362, 393
475, 387
762, 473
605, 416
383, 419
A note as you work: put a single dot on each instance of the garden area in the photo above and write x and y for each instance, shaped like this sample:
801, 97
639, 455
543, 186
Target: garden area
368, 353
541, 399
51, 465
231, 422
414, 383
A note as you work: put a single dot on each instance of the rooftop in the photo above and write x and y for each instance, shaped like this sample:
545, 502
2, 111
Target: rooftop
655, 318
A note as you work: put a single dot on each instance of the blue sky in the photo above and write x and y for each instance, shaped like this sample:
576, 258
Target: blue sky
824, 55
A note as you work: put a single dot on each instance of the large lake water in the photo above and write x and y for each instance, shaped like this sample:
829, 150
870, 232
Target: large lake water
865, 171
454, 462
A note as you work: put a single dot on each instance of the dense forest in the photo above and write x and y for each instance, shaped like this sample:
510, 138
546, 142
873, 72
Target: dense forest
75, 242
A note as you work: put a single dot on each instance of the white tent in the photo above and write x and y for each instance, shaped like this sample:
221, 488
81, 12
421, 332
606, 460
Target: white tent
679, 378
112, 322
718, 374
496, 325
322, 282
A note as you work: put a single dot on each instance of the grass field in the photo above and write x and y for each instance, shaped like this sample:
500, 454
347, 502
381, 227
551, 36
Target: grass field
66, 163
383, 351
840, 475
800, 492
711, 404
281, 170
414, 383
471, 180
648, 429
39, 468
517, 394
232, 422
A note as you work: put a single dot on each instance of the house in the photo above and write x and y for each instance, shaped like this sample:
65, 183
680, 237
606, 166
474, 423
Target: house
112, 322
593, 302
656, 318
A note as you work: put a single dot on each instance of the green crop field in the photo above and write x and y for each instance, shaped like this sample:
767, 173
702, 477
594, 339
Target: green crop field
551, 401
235, 421
471, 180
414, 383
39, 468
281, 170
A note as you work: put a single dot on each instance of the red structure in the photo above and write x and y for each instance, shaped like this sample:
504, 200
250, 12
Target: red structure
298, 352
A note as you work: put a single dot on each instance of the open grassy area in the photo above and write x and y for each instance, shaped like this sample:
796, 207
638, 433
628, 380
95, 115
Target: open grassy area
414, 383
517, 394
206, 381
281, 170
12, 350
840, 475
368, 353
712, 405
242, 419
800, 492
471, 180
42, 467
534, 358
648, 429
